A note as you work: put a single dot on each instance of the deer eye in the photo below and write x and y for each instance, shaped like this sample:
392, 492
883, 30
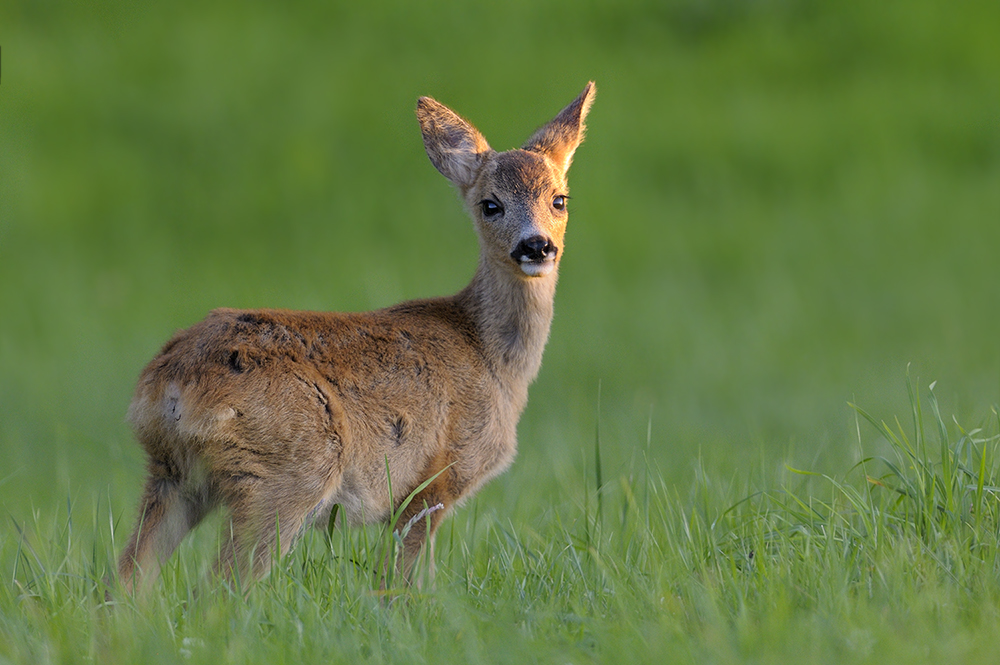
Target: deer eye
559, 202
490, 208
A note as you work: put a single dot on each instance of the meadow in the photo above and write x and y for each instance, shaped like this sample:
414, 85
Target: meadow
766, 424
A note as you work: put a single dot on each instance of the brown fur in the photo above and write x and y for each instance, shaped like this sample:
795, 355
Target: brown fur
279, 415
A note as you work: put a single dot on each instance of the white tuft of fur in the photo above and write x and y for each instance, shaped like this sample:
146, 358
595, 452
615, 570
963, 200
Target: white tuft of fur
537, 268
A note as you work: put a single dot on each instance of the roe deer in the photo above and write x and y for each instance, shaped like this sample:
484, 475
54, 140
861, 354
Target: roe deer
278, 415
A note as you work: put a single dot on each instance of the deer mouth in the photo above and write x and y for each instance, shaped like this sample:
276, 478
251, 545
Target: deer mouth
538, 268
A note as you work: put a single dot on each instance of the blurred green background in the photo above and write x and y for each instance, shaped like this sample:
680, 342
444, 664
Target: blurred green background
780, 205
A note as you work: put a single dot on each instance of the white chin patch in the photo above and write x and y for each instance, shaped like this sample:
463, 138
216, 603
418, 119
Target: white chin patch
537, 268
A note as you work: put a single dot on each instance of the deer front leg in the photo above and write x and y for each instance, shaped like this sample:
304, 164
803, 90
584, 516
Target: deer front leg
418, 525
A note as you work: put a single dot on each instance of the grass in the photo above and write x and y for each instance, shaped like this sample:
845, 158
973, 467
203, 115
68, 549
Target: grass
898, 558
780, 206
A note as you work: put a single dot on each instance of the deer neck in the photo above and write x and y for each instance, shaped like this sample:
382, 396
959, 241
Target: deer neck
513, 316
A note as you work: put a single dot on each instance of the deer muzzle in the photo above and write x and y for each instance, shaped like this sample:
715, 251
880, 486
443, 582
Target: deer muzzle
536, 255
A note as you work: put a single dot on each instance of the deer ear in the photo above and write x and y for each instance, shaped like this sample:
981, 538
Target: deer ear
559, 139
455, 147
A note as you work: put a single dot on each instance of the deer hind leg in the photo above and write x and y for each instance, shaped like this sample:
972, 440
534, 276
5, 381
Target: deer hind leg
267, 517
168, 510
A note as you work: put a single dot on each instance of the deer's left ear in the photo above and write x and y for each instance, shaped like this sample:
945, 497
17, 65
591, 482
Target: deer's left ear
558, 139
454, 146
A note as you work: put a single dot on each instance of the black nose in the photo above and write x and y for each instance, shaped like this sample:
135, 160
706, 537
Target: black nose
535, 248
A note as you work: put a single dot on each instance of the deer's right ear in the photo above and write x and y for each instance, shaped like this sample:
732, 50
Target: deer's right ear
455, 147
560, 138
